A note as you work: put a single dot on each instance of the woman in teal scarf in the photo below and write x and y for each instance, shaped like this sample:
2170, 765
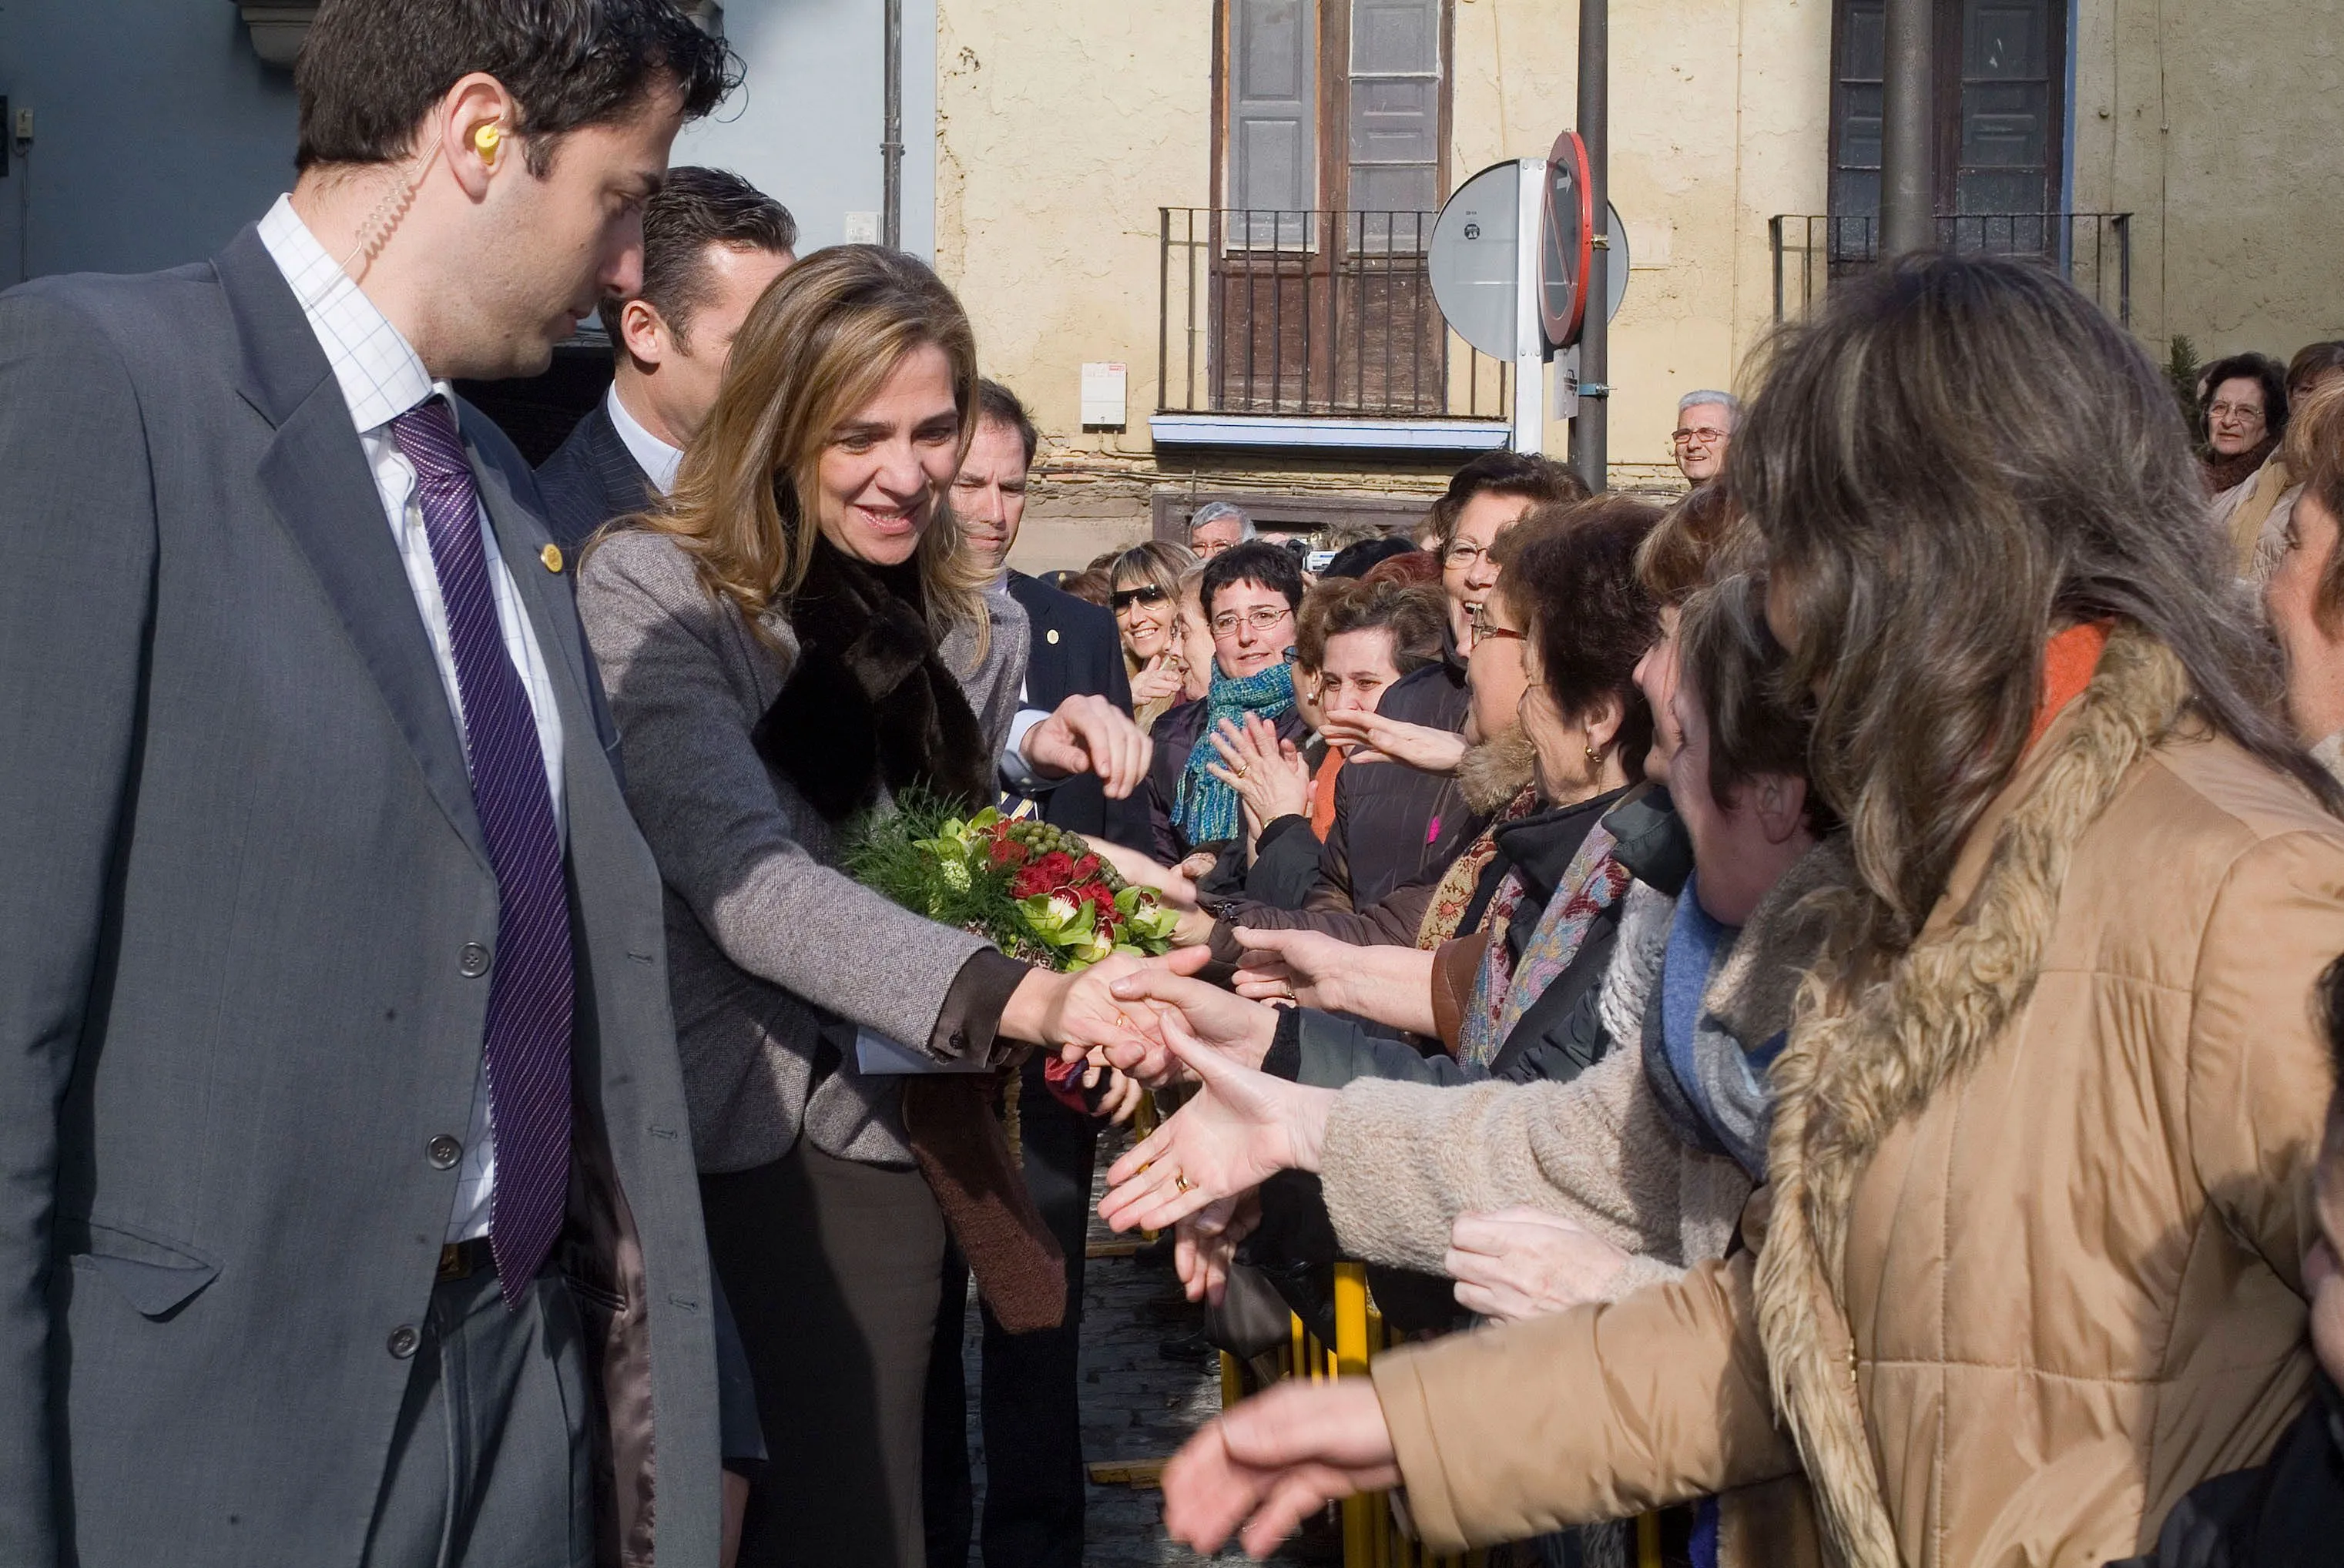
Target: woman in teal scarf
1249, 594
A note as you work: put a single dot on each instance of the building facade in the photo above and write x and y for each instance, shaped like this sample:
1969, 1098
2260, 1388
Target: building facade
1228, 199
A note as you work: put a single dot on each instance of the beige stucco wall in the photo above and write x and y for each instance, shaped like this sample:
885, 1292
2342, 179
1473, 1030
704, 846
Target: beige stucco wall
2221, 129
1063, 124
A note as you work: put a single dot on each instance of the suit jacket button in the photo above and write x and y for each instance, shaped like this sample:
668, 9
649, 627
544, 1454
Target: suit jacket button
473, 962
403, 1341
443, 1152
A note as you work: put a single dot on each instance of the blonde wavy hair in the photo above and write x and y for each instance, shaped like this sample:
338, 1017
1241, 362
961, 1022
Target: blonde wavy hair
818, 347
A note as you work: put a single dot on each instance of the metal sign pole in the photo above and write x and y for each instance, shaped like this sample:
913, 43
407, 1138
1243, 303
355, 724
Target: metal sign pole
1589, 436
1529, 333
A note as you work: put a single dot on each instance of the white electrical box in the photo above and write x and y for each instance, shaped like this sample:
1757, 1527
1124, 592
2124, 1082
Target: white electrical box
863, 228
1105, 395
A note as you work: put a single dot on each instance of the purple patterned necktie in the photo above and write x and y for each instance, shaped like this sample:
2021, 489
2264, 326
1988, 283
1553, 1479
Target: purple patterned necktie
531, 985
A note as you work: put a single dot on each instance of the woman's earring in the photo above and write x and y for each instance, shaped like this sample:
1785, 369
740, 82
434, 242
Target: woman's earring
1594, 763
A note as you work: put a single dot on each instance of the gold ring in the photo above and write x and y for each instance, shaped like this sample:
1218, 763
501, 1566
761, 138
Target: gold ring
1179, 1183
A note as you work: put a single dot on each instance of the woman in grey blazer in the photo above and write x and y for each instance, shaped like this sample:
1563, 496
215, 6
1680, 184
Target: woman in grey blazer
771, 679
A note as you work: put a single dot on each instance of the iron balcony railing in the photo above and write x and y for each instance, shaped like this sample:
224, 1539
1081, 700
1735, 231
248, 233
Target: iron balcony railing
1311, 313
2091, 250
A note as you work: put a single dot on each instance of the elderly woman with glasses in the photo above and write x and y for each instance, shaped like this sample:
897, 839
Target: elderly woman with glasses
1250, 594
1705, 422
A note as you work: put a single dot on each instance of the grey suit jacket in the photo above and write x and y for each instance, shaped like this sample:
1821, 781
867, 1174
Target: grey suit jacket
768, 943
238, 866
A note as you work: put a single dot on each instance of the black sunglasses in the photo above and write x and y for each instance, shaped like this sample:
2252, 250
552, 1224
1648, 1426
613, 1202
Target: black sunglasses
1123, 598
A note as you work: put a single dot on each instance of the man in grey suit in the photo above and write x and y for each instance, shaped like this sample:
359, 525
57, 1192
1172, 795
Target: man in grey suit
347, 1215
712, 242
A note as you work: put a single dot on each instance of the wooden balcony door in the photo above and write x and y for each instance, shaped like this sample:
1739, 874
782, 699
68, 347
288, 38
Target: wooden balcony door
1331, 118
2001, 68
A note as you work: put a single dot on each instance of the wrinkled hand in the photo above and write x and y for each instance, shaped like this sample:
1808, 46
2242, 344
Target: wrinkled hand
1267, 774
1242, 1127
1390, 985
1310, 967
1229, 1024
1196, 864
1088, 734
1205, 1245
1525, 1263
1120, 1103
1276, 1459
1372, 738
1159, 678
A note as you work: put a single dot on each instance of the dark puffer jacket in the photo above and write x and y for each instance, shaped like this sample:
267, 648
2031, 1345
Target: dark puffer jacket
2288, 1513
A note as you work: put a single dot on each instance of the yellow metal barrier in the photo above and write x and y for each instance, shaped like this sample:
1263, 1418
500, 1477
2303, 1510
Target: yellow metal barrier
1372, 1536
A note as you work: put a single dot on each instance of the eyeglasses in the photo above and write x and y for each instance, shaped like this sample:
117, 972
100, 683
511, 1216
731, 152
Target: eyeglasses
1483, 631
1123, 598
2244, 413
1261, 618
1698, 436
1463, 553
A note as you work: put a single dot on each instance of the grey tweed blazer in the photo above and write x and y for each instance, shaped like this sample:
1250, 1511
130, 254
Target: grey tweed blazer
767, 941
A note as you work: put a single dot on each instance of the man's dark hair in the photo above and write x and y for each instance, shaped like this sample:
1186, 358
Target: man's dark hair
1357, 561
1262, 564
1525, 473
1000, 404
695, 209
371, 69
2260, 368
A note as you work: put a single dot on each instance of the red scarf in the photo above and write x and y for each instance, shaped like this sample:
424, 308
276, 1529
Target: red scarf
2068, 660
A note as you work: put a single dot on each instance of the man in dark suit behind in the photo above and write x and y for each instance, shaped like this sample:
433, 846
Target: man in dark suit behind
712, 242
342, 1124
1033, 1428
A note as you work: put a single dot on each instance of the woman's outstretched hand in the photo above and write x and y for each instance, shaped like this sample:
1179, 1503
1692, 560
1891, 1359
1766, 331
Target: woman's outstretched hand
1242, 1127
1077, 1014
1240, 1029
1520, 1263
1371, 738
1205, 1245
1088, 734
1276, 1459
1391, 985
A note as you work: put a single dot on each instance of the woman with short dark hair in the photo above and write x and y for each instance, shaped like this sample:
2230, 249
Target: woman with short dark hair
2240, 417
2254, 512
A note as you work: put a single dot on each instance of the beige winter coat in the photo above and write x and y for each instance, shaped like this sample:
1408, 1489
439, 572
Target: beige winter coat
1403, 1161
2029, 1266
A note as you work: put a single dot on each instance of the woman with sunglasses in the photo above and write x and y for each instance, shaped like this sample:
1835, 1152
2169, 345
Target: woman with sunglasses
1146, 604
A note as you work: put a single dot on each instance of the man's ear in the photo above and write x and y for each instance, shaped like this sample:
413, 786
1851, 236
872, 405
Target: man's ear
1780, 801
644, 334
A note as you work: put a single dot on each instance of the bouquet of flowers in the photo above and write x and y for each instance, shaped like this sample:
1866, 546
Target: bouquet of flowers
1033, 891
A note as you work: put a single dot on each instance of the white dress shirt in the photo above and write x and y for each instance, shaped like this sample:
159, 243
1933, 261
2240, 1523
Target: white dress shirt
381, 378
658, 460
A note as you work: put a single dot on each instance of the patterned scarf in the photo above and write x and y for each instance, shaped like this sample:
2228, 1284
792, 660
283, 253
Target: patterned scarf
1204, 809
1464, 875
1505, 990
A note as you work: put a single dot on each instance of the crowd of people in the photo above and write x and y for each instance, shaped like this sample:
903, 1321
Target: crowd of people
1817, 997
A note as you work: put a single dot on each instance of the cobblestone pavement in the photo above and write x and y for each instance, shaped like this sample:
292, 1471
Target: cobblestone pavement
1138, 1404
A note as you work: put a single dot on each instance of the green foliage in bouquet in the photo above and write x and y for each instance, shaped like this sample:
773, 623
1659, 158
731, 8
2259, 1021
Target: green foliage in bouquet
1034, 891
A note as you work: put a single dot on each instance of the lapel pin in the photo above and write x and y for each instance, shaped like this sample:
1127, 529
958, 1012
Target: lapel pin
551, 555
1049, 636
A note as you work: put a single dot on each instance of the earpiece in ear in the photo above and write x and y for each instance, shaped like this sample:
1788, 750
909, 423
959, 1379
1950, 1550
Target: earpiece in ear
487, 139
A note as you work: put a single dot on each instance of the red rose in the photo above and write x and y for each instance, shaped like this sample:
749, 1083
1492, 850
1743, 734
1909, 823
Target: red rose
1028, 882
1086, 868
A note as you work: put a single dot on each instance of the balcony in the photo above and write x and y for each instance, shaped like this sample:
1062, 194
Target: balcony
2093, 250
1302, 329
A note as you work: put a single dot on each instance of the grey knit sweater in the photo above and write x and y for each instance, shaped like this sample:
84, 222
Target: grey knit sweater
761, 929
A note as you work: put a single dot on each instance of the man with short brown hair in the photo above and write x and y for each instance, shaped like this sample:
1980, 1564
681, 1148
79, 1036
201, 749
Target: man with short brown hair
350, 1214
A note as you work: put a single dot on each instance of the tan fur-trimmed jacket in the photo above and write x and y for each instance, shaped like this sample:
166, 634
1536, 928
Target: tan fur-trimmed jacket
2028, 1267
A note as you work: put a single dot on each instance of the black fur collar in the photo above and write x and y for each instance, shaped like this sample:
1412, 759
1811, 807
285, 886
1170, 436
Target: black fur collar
869, 703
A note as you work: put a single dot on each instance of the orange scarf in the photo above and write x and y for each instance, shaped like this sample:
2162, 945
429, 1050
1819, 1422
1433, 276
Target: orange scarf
2068, 660
1322, 793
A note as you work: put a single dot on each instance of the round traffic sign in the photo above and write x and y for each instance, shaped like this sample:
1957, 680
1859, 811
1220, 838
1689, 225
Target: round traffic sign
1472, 259
1566, 245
